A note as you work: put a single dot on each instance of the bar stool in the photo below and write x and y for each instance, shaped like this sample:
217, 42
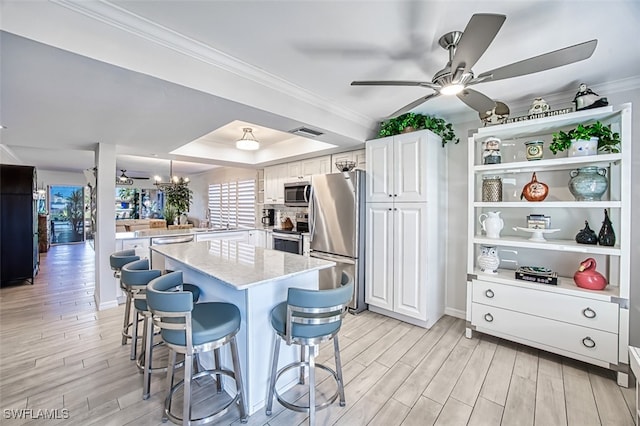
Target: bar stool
117, 260
135, 276
190, 329
309, 318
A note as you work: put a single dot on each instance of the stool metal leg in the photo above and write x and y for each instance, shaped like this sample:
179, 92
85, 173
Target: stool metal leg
134, 334
148, 346
127, 316
186, 400
216, 355
312, 385
170, 371
302, 360
272, 379
336, 354
239, 382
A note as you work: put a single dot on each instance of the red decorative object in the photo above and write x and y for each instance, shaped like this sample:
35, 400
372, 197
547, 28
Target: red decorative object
534, 190
587, 277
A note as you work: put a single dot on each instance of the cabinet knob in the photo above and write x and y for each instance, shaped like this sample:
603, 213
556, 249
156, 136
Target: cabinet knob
489, 293
390, 209
390, 195
488, 317
395, 195
589, 313
588, 342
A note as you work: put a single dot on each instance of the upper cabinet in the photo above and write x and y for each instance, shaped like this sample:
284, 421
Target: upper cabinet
274, 179
303, 170
397, 167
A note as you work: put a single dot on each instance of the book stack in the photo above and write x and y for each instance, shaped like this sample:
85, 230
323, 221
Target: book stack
538, 221
537, 274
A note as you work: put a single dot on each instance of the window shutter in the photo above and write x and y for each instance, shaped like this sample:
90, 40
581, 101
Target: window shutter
233, 204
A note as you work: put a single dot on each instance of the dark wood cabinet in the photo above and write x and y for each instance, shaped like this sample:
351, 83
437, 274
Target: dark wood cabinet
18, 224
44, 233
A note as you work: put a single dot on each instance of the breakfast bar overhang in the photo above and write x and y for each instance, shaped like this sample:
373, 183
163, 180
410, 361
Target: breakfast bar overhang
255, 280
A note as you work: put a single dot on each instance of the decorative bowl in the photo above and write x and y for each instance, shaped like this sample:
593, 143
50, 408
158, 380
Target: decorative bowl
345, 166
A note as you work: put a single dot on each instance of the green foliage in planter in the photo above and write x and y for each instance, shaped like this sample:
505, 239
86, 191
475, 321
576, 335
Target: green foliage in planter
608, 141
169, 213
178, 195
439, 126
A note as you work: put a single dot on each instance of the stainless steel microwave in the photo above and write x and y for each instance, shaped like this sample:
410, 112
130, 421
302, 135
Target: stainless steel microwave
296, 194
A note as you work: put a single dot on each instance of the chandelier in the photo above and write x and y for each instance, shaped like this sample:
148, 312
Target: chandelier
247, 142
173, 180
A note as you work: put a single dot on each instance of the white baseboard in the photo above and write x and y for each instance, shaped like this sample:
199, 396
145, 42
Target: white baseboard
105, 305
455, 313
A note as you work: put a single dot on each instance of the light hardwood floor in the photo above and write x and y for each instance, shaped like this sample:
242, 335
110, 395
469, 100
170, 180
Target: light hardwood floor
57, 351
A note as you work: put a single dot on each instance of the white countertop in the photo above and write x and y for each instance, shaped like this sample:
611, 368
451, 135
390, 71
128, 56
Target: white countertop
240, 265
163, 232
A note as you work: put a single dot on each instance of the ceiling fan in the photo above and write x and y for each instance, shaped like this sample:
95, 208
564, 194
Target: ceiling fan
465, 48
123, 179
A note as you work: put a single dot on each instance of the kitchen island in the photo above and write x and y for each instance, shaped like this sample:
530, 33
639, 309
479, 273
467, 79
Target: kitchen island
254, 279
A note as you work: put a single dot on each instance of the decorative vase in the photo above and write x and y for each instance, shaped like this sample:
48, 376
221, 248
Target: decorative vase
491, 223
606, 237
534, 150
184, 219
534, 190
588, 183
587, 277
587, 235
582, 147
491, 189
491, 153
488, 260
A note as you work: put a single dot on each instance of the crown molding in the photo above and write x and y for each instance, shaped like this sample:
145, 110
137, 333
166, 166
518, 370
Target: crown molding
124, 20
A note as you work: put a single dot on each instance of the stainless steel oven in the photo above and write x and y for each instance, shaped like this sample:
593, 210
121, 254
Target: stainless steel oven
289, 241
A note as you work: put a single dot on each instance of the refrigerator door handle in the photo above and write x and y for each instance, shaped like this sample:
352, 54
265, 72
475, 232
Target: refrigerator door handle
312, 212
333, 258
306, 191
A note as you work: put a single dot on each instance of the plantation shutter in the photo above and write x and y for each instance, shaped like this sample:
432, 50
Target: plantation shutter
232, 204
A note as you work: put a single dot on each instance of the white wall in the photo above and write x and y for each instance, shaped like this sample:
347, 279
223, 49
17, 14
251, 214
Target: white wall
457, 226
51, 177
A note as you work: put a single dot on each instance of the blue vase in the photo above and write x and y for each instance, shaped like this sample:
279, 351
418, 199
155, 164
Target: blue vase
588, 183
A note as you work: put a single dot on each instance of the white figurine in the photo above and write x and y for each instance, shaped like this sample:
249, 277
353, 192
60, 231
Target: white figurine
538, 106
488, 261
586, 98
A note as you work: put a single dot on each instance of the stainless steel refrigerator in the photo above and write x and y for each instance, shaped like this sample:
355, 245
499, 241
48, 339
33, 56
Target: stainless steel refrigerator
336, 224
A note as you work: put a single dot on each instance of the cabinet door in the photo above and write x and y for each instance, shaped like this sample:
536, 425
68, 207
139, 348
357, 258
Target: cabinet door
257, 238
274, 177
410, 167
379, 255
410, 260
379, 170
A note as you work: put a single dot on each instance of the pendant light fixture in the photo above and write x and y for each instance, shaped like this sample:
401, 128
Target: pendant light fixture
247, 142
173, 180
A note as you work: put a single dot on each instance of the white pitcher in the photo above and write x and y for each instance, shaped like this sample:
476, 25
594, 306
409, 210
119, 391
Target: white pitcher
491, 223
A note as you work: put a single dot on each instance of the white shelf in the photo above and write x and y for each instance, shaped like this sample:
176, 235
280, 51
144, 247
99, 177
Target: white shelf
551, 244
560, 163
565, 285
540, 126
550, 204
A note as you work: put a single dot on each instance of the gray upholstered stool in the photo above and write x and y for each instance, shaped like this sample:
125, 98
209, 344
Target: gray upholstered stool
189, 329
117, 260
135, 276
308, 318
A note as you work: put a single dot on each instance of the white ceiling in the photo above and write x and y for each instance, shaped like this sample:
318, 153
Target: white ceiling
152, 76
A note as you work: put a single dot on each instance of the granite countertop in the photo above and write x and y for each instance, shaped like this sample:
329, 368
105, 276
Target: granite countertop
163, 232
240, 265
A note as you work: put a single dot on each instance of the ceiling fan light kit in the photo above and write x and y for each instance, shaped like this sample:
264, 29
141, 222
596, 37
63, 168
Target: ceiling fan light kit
465, 48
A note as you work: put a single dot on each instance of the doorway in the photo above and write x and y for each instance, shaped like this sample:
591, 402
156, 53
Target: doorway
67, 214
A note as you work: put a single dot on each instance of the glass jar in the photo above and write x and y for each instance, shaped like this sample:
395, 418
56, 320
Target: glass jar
534, 150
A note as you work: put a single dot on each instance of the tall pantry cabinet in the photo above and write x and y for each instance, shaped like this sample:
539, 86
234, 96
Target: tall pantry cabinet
18, 223
405, 226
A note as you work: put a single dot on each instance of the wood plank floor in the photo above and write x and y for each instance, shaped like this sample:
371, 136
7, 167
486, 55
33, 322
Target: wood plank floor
58, 352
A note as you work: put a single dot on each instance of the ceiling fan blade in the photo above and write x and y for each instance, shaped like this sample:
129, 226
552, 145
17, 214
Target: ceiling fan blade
414, 104
557, 58
396, 83
476, 100
476, 38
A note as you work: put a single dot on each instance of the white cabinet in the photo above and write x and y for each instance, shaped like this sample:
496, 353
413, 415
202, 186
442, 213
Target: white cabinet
303, 170
306, 244
404, 250
359, 157
397, 167
274, 179
242, 236
257, 238
591, 326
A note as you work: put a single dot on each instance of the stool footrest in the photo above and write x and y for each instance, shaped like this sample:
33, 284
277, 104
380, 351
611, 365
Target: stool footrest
305, 408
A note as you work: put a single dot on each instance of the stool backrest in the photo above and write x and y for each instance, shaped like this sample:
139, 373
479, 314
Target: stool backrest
316, 315
171, 308
120, 258
137, 273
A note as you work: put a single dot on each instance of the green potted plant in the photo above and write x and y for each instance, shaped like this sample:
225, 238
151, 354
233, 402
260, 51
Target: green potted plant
410, 122
178, 197
607, 141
